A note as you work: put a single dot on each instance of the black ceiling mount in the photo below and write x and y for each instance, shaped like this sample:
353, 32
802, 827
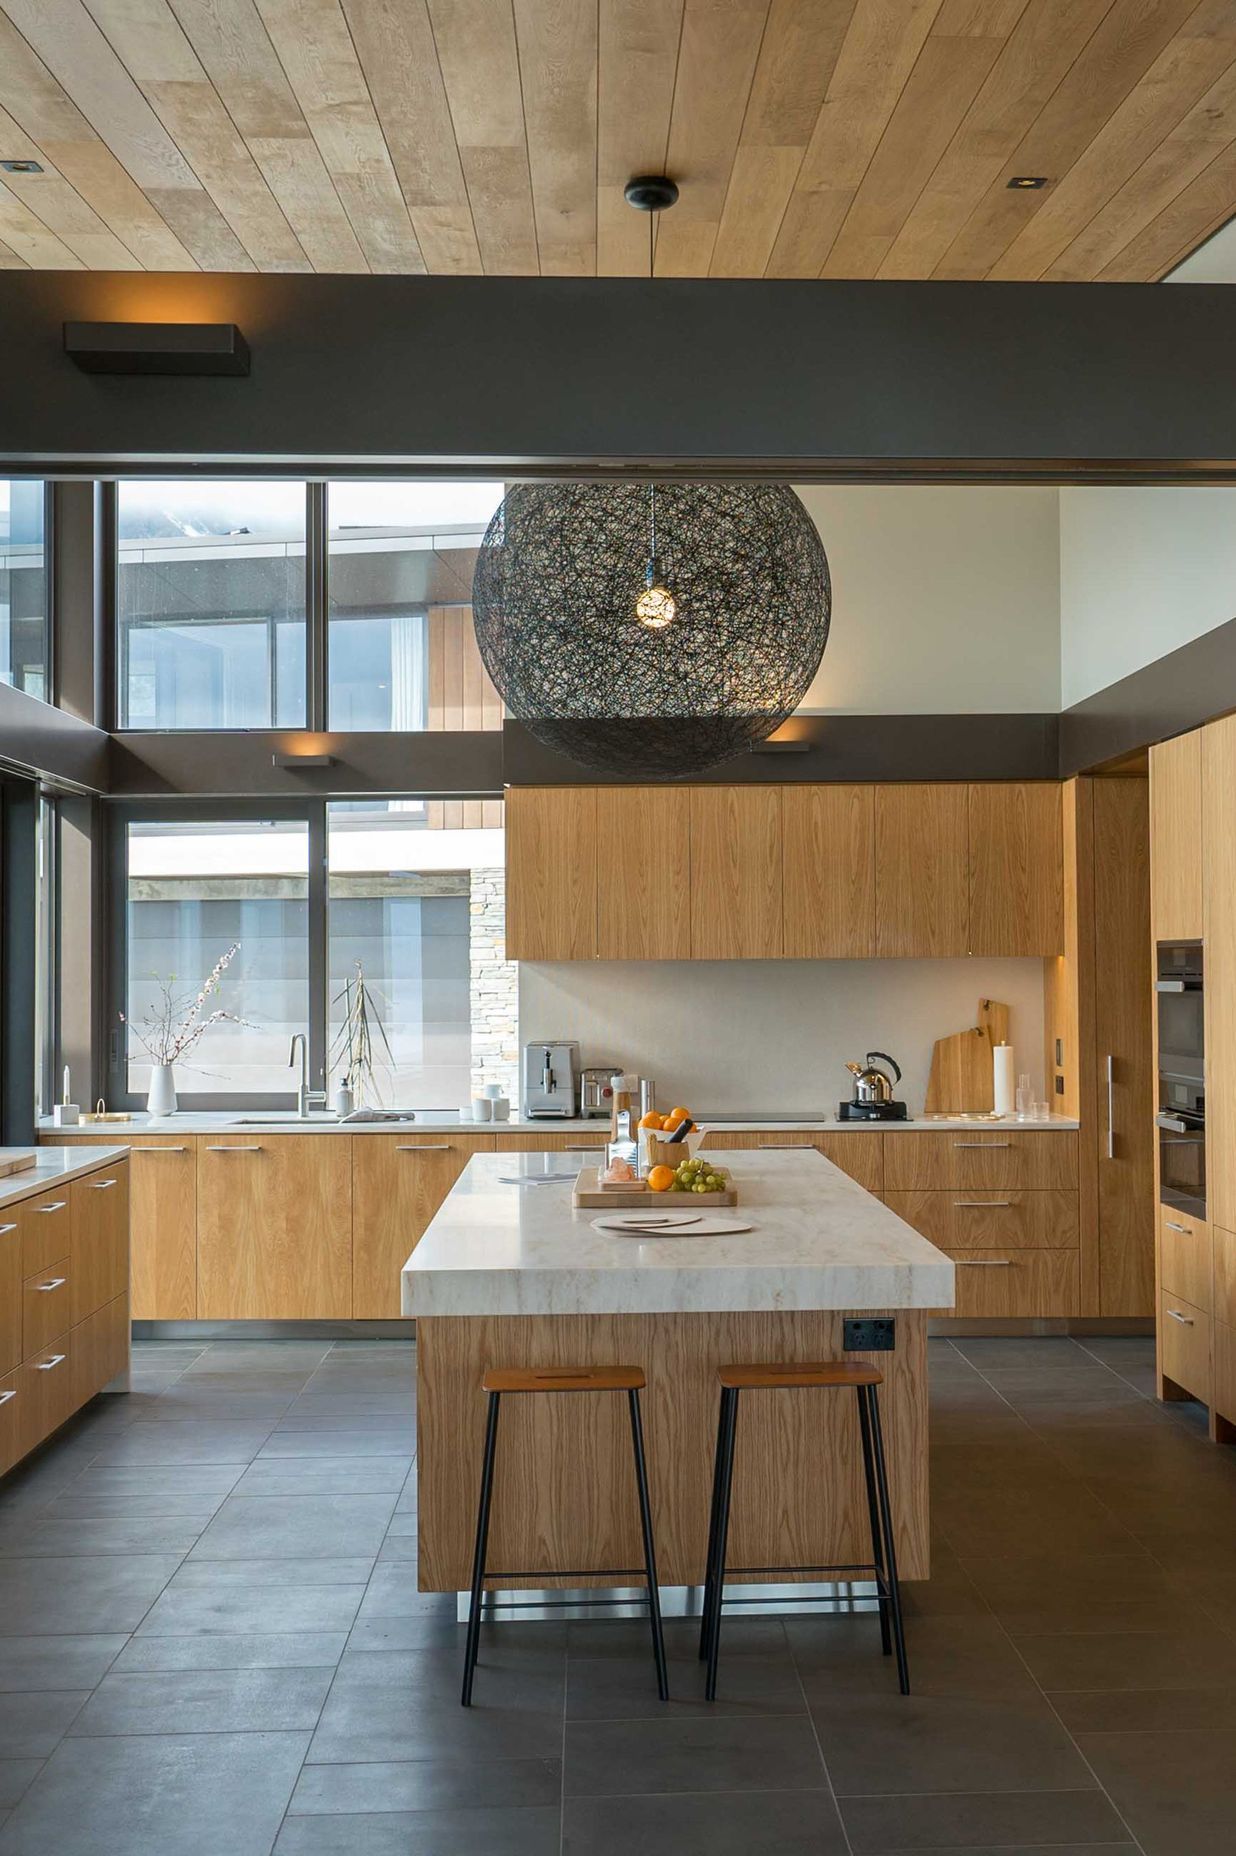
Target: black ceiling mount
650, 193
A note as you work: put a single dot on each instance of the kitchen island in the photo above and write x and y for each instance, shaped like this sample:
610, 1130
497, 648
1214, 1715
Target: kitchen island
509, 1274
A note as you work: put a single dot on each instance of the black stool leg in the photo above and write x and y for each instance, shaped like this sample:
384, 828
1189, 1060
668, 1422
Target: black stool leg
729, 1424
482, 1543
877, 1550
650, 1556
718, 1455
890, 1551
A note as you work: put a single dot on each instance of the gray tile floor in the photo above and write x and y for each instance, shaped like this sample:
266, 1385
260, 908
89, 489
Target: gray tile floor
211, 1643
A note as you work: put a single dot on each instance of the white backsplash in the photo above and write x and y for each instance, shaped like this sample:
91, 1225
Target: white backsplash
774, 1035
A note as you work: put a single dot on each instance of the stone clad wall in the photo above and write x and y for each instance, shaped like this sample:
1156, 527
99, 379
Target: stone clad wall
494, 987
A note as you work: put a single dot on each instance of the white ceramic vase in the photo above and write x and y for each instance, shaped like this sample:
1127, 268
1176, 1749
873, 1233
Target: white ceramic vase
161, 1099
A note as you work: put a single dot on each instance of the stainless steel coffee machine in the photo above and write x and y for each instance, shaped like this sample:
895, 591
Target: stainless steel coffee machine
550, 1086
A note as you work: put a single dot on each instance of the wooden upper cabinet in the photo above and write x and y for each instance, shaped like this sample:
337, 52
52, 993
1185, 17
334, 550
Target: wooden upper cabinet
735, 872
1219, 931
1176, 838
643, 874
551, 873
1016, 868
922, 900
828, 857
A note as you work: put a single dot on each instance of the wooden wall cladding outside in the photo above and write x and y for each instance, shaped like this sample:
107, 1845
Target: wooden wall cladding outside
461, 696
1176, 837
798, 1495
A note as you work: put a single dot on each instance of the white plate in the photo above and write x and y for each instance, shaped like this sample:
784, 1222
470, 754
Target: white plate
704, 1223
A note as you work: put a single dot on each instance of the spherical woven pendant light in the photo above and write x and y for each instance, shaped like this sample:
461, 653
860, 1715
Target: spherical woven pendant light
651, 628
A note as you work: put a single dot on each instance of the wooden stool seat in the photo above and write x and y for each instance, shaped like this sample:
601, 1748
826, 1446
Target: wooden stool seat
497, 1381
820, 1373
563, 1379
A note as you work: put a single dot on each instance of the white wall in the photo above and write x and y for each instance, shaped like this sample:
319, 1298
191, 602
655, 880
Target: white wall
946, 599
1142, 571
774, 1035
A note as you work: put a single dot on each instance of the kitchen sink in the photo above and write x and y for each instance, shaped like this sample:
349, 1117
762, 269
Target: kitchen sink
282, 1117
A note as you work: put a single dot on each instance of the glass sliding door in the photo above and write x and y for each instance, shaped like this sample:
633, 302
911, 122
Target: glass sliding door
415, 911
211, 603
194, 888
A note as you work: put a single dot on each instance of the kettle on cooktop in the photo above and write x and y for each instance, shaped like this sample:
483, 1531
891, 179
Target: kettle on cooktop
872, 1098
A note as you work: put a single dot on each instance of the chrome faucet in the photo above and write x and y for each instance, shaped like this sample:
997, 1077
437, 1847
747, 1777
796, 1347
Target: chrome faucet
304, 1095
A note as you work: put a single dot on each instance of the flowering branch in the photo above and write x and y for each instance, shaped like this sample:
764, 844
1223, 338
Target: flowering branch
173, 1028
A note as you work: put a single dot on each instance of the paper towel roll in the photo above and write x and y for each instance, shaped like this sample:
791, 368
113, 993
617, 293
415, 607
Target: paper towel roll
1003, 1079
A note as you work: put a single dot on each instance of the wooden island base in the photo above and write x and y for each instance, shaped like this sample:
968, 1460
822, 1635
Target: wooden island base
564, 1510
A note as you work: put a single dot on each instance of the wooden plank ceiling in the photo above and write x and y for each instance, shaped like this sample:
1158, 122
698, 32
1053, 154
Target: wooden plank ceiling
834, 138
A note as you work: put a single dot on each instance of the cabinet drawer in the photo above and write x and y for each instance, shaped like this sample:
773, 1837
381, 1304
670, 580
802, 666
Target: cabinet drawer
100, 1349
1185, 1256
45, 1393
1015, 1283
1184, 1345
1223, 1249
46, 1307
10, 1421
45, 1223
978, 1220
996, 1159
10, 1295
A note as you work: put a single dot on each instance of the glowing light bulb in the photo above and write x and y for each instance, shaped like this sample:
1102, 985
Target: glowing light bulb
656, 608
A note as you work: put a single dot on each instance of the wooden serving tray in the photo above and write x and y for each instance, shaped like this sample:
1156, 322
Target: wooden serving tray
589, 1195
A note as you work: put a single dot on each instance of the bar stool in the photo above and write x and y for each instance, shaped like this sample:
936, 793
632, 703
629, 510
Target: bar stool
830, 1373
499, 1380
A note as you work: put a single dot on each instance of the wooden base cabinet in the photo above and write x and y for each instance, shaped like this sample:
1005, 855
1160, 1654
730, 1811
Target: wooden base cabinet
398, 1183
274, 1227
69, 1318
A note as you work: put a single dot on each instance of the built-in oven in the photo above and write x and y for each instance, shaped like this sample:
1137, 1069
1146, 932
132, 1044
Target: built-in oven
1181, 1116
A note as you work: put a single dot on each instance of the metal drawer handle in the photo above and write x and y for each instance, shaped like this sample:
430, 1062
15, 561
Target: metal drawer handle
57, 1206
5, 1228
1169, 1224
982, 1143
256, 1148
6, 1396
786, 1147
1184, 1320
582, 1147
100, 1185
961, 1205
424, 1147
983, 1263
45, 1366
158, 1150
57, 1282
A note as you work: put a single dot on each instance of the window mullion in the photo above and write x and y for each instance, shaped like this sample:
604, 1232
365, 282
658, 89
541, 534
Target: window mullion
316, 593
319, 973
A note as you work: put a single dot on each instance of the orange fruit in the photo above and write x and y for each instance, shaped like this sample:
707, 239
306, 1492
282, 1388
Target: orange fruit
652, 1120
676, 1115
661, 1178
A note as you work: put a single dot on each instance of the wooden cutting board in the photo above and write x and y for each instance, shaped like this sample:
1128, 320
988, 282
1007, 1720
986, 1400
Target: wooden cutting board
960, 1082
590, 1196
17, 1160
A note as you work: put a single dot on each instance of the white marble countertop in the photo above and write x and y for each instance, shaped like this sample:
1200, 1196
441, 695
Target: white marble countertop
228, 1121
56, 1166
819, 1241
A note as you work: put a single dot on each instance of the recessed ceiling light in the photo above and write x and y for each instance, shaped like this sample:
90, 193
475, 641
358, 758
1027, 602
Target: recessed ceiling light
1028, 183
21, 167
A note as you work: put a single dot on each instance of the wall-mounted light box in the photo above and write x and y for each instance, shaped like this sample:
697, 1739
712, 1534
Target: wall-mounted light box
157, 347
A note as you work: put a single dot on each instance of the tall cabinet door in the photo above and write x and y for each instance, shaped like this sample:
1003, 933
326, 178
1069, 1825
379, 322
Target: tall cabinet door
1219, 932
551, 873
828, 850
1015, 864
922, 901
1123, 1045
736, 872
1176, 836
643, 874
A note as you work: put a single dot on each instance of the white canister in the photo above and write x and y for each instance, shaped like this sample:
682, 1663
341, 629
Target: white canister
482, 1108
501, 1106
1003, 1086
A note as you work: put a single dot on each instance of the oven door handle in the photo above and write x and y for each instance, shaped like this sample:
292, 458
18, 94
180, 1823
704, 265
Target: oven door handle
1174, 1124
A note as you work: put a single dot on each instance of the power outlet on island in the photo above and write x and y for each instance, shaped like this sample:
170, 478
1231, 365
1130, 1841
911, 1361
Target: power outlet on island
871, 1334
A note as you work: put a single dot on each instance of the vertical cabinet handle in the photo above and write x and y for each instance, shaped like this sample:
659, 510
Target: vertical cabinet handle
1111, 1106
